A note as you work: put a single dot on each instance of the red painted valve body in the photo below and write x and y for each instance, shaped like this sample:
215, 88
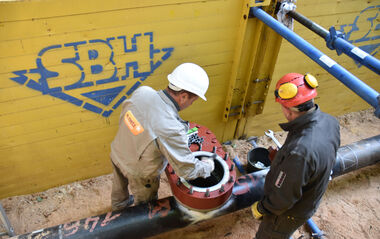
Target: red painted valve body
210, 199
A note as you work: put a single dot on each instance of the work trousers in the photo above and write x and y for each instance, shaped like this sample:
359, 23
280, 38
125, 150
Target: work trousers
143, 189
278, 227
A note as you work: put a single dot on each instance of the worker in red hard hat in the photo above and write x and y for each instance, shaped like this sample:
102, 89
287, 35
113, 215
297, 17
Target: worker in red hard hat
151, 134
301, 169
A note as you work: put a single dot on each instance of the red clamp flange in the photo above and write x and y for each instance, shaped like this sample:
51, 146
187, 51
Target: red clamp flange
209, 193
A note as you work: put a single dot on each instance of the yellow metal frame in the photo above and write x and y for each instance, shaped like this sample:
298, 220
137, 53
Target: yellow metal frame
236, 63
246, 62
259, 3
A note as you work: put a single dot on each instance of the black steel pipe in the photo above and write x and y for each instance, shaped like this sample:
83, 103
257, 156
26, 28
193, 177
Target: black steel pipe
322, 32
167, 214
357, 155
154, 218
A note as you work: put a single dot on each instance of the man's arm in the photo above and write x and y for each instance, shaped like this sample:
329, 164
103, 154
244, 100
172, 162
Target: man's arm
175, 149
285, 185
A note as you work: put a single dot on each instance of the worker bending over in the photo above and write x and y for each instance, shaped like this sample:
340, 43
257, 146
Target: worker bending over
151, 134
300, 170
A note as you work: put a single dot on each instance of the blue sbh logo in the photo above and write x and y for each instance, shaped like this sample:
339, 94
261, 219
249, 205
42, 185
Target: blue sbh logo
90, 64
364, 32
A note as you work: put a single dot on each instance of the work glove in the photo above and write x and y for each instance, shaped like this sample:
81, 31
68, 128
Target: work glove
272, 153
210, 162
255, 211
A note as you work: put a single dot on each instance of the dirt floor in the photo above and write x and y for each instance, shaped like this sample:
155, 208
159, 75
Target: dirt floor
350, 207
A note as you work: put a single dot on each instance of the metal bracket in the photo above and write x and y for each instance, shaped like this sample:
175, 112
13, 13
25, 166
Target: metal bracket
330, 39
285, 7
232, 108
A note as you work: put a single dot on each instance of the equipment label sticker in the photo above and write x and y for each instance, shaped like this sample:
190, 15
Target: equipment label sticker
327, 61
360, 53
132, 123
280, 179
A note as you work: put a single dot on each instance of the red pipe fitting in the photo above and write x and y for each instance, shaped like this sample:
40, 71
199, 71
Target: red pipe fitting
212, 192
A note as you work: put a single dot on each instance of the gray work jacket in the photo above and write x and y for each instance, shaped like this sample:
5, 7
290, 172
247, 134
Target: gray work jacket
150, 134
300, 171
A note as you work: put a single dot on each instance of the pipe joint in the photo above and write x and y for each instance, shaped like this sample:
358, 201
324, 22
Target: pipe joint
331, 38
205, 193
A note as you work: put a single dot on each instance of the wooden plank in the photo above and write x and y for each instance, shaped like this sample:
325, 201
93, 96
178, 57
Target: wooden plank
326, 7
192, 15
165, 31
18, 11
194, 40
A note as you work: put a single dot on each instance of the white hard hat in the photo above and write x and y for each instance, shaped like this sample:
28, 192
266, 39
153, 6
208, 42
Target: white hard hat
190, 77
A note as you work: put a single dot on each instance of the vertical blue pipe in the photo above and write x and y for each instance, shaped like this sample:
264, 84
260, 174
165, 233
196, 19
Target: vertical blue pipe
317, 233
368, 94
239, 165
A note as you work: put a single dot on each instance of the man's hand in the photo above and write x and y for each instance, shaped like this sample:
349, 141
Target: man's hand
255, 211
210, 162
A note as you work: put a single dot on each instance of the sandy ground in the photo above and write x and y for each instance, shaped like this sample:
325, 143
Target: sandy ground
350, 207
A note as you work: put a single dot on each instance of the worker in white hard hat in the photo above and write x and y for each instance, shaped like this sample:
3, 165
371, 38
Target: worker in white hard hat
151, 134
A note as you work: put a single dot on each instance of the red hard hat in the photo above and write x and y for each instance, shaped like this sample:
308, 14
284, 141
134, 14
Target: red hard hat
294, 89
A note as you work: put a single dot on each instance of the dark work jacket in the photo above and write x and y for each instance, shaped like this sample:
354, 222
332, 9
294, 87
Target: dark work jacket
300, 171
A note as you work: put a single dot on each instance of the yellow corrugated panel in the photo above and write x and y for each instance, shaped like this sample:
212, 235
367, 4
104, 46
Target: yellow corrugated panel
361, 18
66, 65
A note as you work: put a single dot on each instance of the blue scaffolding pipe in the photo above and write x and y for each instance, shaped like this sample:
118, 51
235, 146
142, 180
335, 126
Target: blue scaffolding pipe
316, 232
368, 94
356, 53
334, 40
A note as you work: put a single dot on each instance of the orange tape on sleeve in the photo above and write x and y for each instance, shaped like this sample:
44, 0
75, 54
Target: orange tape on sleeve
132, 123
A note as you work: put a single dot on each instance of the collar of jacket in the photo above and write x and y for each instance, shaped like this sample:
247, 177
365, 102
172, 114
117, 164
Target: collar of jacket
168, 99
302, 121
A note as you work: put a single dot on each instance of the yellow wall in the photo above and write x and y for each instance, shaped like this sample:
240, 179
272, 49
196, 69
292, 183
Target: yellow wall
64, 65
333, 96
